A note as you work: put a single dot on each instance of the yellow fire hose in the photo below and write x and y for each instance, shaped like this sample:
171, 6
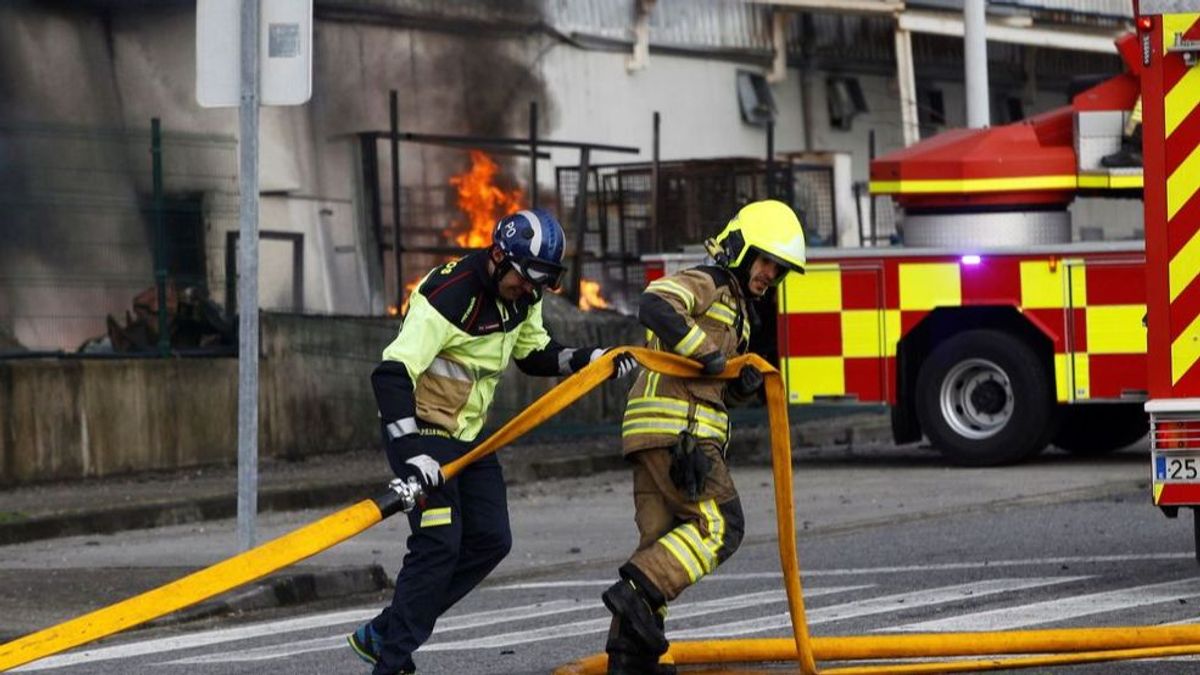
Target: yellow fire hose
1088, 645
1056, 646
324, 533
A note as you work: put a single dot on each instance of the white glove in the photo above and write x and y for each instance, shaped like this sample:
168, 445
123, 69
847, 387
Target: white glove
427, 468
623, 365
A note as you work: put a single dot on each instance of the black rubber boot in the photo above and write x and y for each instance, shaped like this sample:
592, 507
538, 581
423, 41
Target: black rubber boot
636, 615
1130, 154
627, 656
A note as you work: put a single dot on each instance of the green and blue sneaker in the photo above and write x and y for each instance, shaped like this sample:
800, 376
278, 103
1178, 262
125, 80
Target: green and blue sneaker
365, 643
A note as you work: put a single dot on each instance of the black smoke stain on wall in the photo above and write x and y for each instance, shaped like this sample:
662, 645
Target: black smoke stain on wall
496, 82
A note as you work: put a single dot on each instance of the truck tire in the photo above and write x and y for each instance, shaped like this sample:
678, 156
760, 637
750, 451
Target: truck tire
983, 398
1096, 429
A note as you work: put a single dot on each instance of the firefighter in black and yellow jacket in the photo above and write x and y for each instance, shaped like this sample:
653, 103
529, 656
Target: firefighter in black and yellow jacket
675, 430
467, 320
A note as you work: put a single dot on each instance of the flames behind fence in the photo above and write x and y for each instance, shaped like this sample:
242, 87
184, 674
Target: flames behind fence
482, 202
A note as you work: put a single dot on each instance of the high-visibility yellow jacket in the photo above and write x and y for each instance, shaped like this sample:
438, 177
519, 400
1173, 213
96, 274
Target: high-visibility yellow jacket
691, 313
457, 339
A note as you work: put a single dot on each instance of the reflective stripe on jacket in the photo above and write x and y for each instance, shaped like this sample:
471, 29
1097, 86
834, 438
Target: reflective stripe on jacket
457, 340
704, 311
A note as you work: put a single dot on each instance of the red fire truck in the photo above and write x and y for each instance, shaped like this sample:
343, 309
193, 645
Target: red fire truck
991, 354
988, 332
1169, 38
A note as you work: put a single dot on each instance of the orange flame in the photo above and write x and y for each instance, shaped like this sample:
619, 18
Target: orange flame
589, 295
408, 291
482, 201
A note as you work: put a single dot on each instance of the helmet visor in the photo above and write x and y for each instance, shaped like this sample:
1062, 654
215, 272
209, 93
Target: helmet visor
539, 272
784, 266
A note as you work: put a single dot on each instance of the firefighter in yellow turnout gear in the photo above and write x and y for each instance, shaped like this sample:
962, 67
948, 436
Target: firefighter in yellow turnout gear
675, 430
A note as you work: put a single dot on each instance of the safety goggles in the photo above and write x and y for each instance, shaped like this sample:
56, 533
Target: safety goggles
539, 272
784, 267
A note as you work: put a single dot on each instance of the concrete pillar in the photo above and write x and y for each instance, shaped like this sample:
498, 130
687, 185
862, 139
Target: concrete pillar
907, 83
975, 60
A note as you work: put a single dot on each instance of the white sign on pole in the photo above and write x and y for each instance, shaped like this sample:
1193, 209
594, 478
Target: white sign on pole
285, 52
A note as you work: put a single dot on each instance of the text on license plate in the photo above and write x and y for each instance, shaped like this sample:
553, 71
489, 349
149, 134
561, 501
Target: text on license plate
1180, 468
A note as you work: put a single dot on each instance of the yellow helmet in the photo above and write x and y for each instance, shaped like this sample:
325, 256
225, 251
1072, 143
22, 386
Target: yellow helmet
767, 227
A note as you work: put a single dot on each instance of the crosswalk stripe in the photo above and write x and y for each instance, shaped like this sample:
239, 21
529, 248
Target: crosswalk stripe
561, 631
869, 606
350, 617
295, 648
1061, 609
866, 571
681, 611
1042, 612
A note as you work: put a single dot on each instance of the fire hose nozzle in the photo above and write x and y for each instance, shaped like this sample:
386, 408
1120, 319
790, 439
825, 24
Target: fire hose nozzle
409, 491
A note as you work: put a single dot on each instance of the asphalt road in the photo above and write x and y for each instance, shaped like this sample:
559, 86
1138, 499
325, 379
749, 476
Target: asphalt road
890, 542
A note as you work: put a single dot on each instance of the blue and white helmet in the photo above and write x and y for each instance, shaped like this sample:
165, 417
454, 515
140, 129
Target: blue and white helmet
533, 243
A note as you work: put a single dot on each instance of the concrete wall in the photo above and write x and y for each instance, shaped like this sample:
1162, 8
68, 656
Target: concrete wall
64, 419
75, 418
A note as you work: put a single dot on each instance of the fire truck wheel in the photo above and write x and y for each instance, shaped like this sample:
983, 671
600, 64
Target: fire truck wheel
983, 398
1100, 428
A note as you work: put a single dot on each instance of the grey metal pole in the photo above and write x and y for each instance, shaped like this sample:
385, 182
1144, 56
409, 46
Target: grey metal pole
397, 245
533, 151
581, 213
654, 168
870, 197
769, 184
160, 237
247, 502
975, 60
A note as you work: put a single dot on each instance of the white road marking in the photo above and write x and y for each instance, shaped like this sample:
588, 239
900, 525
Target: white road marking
995, 619
294, 648
681, 611
899, 569
572, 629
870, 606
1061, 609
257, 630
574, 583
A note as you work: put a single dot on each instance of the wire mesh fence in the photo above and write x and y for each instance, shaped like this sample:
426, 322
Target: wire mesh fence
77, 262
627, 217
876, 214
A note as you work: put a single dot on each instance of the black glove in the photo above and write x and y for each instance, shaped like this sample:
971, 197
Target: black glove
713, 363
747, 383
623, 364
689, 466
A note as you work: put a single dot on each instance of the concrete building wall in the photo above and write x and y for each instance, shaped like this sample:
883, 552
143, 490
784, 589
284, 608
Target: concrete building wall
598, 99
117, 68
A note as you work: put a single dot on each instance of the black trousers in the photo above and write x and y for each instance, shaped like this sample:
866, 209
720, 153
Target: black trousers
457, 538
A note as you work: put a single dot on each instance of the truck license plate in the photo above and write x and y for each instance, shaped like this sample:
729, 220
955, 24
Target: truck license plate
1177, 468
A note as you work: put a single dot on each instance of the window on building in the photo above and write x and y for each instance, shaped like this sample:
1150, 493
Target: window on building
846, 100
1008, 109
755, 99
931, 110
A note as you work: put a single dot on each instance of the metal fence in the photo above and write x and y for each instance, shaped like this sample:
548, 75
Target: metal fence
78, 252
876, 215
627, 217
